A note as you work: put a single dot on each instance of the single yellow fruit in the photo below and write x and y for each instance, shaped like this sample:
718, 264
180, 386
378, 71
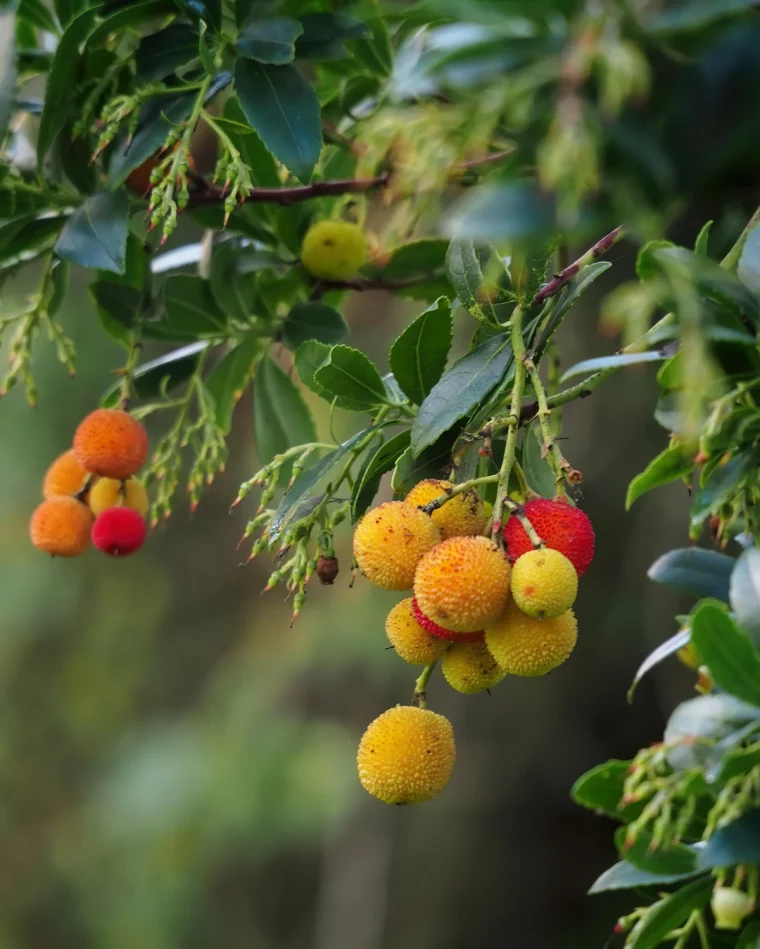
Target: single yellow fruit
389, 542
525, 646
544, 583
109, 492
334, 250
470, 668
730, 907
409, 639
406, 755
463, 583
462, 516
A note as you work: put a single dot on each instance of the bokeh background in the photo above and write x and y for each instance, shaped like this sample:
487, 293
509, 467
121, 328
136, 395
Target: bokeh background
177, 764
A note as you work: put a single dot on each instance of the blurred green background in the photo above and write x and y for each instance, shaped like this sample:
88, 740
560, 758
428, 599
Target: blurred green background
177, 765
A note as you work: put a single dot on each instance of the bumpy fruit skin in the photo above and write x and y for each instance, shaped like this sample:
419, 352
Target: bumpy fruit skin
561, 526
334, 250
109, 492
65, 476
544, 583
470, 668
463, 583
389, 542
462, 516
111, 443
525, 646
730, 907
440, 633
412, 643
119, 531
406, 755
61, 526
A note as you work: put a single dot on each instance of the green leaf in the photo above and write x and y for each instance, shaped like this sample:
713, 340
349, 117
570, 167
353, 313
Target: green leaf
96, 233
624, 876
26, 239
352, 376
686, 17
155, 122
616, 361
235, 292
647, 265
313, 320
566, 300
601, 788
460, 389
726, 650
415, 258
665, 859
671, 465
703, 238
228, 379
383, 461
323, 35
744, 592
159, 375
750, 936
310, 355
694, 571
130, 15
281, 418
736, 843
418, 357
737, 763
204, 52
269, 41
283, 109
463, 262
432, 462
538, 471
191, 311
118, 307
160, 54
748, 269
7, 65
702, 730
663, 651
62, 88
263, 166
516, 213
670, 912
36, 13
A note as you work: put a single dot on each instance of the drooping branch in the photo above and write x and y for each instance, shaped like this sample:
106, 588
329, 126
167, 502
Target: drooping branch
564, 276
206, 193
363, 284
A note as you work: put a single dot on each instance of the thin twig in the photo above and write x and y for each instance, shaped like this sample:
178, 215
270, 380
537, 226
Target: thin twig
206, 193
564, 276
363, 284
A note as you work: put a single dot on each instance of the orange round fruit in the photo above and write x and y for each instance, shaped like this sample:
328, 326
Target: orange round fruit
389, 542
412, 643
109, 442
65, 476
61, 526
464, 515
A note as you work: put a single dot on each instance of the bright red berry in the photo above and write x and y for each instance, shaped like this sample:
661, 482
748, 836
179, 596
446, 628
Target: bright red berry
561, 526
119, 531
438, 631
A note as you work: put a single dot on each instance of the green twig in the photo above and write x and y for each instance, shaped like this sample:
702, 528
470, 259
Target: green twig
456, 490
513, 421
419, 697
551, 449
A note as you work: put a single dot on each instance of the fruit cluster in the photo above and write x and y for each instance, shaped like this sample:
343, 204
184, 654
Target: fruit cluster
484, 609
91, 492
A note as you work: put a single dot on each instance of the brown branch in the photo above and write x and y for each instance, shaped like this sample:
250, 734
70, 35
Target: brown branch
206, 193
564, 276
363, 284
476, 164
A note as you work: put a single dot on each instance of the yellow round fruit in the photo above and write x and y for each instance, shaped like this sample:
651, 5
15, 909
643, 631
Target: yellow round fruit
110, 492
463, 583
409, 639
65, 476
334, 250
406, 755
389, 542
525, 646
470, 668
544, 583
462, 516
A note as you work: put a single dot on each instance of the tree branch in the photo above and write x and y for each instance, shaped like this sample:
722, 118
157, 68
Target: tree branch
363, 284
206, 193
564, 276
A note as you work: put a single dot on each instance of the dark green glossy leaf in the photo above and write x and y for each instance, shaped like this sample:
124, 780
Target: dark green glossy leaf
538, 471
601, 788
164, 373
235, 292
130, 15
460, 389
727, 651
624, 876
353, 377
738, 762
647, 265
702, 730
7, 65
36, 13
480, 297
723, 481
671, 465
683, 17
313, 320
323, 35
191, 311
163, 53
432, 462
281, 418
283, 109
227, 381
514, 213
567, 299
66, 10
418, 357
309, 357
736, 843
259, 158
204, 51
656, 656
750, 936
383, 461
665, 859
748, 269
117, 304
375, 51
96, 233
269, 41
670, 912
744, 592
694, 571
415, 258
210, 11
26, 239
703, 238
616, 361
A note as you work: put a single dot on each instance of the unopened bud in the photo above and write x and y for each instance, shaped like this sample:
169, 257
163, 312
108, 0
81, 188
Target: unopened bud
730, 907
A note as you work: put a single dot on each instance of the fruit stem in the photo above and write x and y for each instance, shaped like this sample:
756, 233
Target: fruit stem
458, 489
518, 385
519, 512
419, 698
551, 449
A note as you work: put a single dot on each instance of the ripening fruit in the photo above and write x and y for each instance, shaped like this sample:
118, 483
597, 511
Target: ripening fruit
389, 542
525, 646
409, 639
730, 907
470, 668
440, 633
65, 476
334, 250
689, 657
464, 515
61, 526
111, 443
463, 583
110, 492
119, 531
561, 526
406, 755
544, 583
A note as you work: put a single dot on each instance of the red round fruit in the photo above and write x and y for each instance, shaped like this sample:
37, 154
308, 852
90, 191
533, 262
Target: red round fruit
435, 630
561, 526
119, 531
